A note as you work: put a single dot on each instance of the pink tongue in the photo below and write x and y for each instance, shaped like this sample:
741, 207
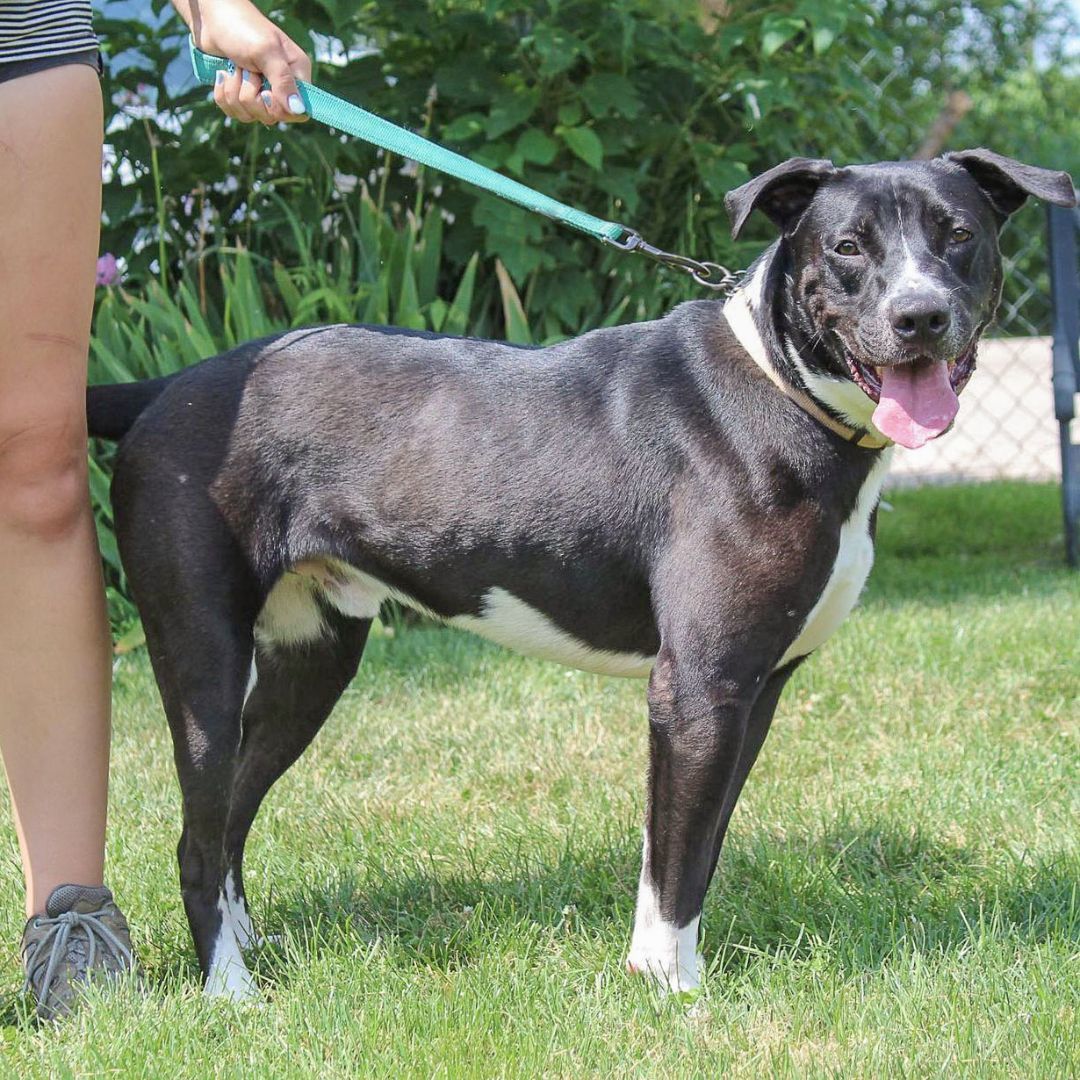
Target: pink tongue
917, 403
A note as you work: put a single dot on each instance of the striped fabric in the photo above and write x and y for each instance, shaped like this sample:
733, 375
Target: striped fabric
33, 29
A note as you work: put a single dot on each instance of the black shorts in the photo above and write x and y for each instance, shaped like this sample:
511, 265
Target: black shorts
17, 68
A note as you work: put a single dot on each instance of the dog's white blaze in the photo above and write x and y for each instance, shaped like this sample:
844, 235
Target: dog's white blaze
509, 621
659, 948
238, 913
854, 558
911, 278
229, 976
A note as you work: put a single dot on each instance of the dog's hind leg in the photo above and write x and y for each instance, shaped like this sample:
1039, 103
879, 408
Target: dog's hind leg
292, 690
200, 640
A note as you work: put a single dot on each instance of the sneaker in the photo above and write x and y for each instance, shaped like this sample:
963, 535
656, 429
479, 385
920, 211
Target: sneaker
81, 937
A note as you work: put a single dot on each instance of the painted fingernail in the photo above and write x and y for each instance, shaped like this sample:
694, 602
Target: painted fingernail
296, 106
246, 75
267, 99
219, 78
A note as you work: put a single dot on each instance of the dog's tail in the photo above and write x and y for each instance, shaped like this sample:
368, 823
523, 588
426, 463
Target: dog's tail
112, 410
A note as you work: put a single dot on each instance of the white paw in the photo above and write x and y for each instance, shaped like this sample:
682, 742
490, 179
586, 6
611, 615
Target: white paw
229, 977
658, 948
231, 981
674, 971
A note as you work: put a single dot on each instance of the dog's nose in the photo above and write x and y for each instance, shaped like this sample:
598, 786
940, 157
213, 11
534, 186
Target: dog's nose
919, 318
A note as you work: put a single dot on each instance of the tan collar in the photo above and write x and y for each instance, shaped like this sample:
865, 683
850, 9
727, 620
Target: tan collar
741, 319
858, 436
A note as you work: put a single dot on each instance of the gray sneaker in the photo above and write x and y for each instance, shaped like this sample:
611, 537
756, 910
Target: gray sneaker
81, 937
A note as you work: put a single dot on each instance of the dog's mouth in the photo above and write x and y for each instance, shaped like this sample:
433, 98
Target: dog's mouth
867, 377
917, 400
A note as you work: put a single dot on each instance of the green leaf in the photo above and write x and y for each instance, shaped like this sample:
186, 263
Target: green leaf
777, 31
457, 318
716, 170
290, 295
517, 325
570, 114
557, 49
609, 94
378, 305
463, 127
515, 235
99, 485
509, 110
437, 311
369, 237
536, 146
429, 256
621, 183
823, 37
585, 143
407, 306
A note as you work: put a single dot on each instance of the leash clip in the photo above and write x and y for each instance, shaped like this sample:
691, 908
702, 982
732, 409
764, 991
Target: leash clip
710, 274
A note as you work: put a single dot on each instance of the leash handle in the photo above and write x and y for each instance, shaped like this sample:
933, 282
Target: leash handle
351, 119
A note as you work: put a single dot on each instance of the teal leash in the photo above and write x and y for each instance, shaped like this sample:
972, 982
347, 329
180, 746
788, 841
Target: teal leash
351, 119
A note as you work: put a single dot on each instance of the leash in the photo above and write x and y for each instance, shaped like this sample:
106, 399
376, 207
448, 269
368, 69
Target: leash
337, 113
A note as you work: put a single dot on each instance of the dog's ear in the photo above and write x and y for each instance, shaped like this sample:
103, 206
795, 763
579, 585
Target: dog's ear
783, 193
1007, 183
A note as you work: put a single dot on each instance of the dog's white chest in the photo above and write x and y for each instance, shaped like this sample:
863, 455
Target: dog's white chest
854, 558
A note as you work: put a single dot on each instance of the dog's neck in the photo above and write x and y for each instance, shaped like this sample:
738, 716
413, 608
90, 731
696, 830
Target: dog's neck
834, 401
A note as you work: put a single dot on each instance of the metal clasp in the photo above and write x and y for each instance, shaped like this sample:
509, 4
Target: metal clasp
710, 274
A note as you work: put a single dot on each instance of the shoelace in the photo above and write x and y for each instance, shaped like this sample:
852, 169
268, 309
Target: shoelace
60, 928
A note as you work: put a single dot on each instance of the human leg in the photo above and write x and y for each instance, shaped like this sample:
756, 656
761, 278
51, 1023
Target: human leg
54, 661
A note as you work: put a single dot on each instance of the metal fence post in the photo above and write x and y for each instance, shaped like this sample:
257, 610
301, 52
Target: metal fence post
1062, 225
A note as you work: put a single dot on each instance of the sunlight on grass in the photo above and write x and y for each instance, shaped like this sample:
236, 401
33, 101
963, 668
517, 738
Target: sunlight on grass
452, 866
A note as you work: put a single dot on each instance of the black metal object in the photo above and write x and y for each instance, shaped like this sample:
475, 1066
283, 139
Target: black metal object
1062, 227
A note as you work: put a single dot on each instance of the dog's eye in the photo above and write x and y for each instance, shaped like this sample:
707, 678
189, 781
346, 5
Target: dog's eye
847, 247
960, 235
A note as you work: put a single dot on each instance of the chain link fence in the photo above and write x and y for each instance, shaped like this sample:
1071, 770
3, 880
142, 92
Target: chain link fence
1006, 427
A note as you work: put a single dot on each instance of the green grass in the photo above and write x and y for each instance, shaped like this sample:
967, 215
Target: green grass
452, 866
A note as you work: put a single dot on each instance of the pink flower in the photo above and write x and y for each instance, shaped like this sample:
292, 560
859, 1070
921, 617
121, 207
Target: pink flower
108, 273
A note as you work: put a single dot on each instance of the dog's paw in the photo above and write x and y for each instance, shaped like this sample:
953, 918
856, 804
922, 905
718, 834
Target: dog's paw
673, 972
666, 953
231, 981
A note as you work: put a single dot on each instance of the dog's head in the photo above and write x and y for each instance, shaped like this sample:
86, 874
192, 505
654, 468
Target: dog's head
892, 271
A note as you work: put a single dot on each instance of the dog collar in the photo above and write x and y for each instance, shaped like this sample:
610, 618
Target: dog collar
741, 320
858, 436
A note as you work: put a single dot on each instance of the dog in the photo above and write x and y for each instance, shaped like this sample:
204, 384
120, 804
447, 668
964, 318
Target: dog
690, 500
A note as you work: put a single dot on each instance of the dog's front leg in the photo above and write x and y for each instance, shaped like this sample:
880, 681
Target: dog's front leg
705, 732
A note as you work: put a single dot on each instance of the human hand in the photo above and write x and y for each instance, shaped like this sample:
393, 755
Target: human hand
237, 30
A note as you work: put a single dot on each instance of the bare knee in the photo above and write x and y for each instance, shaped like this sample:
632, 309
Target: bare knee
43, 487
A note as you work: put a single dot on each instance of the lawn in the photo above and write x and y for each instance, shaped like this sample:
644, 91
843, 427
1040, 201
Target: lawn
452, 866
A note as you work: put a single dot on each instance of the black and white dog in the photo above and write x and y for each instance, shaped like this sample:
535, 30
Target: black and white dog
690, 500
